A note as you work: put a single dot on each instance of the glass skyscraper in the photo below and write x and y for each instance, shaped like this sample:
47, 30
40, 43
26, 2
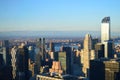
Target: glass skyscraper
105, 29
105, 37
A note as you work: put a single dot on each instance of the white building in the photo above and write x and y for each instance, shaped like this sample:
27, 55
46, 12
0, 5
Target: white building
87, 54
106, 36
105, 29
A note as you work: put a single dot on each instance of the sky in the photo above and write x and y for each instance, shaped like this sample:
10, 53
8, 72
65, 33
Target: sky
58, 15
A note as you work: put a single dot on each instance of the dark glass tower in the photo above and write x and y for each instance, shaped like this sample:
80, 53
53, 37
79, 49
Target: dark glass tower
105, 69
99, 50
22, 63
43, 50
40, 54
6, 53
69, 61
51, 46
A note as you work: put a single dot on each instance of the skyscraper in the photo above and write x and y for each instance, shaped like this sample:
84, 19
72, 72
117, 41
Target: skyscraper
88, 42
13, 61
40, 54
6, 54
108, 53
99, 50
105, 29
22, 56
62, 58
43, 50
66, 60
6, 70
31, 53
51, 46
41, 45
69, 59
87, 54
105, 69
105, 37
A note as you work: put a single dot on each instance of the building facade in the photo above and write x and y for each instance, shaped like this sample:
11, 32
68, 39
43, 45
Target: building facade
87, 54
105, 29
22, 68
99, 50
105, 69
106, 37
13, 61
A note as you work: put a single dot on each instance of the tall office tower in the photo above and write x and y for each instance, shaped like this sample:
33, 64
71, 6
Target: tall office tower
88, 42
105, 29
41, 45
105, 37
3, 53
105, 69
108, 53
13, 61
99, 50
40, 54
5, 43
43, 50
94, 42
22, 63
87, 54
5, 68
31, 53
1, 60
62, 57
77, 57
69, 59
1, 64
51, 46
6, 54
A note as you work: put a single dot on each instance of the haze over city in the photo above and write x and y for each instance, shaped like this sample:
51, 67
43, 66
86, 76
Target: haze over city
59, 40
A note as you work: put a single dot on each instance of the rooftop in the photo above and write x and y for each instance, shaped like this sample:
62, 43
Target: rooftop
106, 20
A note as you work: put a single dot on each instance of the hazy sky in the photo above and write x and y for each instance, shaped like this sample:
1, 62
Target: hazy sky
58, 15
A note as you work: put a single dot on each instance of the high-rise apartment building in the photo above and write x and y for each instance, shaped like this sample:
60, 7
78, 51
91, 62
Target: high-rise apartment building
105, 29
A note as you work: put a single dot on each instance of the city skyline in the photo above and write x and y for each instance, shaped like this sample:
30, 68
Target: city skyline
57, 15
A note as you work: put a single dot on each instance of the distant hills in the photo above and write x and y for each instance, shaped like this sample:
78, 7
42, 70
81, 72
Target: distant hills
51, 34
